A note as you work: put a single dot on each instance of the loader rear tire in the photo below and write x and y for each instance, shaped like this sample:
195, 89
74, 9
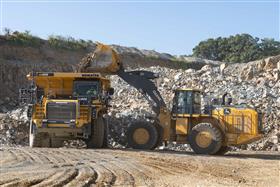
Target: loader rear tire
37, 139
142, 136
97, 134
205, 138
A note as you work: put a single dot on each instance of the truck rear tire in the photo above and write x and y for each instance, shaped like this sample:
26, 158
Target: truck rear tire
106, 135
56, 142
37, 139
205, 138
142, 136
97, 134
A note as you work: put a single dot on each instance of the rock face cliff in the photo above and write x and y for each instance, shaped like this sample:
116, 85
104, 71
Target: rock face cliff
18, 60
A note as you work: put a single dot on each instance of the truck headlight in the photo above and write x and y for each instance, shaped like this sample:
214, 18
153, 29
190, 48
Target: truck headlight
45, 123
72, 123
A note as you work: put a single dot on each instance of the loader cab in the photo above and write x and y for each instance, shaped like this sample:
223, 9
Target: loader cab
187, 101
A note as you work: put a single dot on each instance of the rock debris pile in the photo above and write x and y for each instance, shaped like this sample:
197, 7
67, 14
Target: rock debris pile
14, 128
256, 84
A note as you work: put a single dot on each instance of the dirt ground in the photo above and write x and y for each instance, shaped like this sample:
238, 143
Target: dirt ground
81, 167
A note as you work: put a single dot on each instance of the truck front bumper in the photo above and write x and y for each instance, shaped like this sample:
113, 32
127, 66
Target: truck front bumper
62, 131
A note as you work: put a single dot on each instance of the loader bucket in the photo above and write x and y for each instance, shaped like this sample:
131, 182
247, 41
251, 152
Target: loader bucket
104, 59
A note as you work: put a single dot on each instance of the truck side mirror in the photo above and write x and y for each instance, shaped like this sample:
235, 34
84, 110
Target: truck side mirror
111, 91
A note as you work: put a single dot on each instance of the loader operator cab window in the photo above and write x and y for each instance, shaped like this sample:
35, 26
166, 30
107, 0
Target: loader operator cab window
196, 102
187, 102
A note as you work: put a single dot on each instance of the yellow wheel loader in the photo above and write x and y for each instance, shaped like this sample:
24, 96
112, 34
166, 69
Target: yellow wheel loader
209, 132
67, 106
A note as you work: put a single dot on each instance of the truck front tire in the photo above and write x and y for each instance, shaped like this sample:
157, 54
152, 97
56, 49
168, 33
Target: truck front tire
37, 139
96, 139
106, 135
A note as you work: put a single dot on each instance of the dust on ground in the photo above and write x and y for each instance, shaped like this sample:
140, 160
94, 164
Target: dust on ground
24, 166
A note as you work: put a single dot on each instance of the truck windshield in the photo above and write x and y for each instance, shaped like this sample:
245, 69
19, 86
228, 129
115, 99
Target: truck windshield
86, 88
197, 98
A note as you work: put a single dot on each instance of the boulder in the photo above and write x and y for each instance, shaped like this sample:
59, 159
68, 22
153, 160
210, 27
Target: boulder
222, 68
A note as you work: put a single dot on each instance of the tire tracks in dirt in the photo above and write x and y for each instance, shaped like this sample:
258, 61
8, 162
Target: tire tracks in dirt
84, 168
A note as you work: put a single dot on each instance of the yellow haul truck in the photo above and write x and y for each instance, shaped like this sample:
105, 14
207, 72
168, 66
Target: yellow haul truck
65, 106
209, 132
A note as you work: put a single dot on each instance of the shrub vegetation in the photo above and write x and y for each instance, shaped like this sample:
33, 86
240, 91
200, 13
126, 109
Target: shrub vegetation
68, 42
238, 48
22, 38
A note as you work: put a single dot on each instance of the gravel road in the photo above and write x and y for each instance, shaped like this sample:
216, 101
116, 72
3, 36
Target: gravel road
24, 166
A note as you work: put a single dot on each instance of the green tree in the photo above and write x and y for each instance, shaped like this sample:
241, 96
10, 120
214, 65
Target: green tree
270, 47
238, 48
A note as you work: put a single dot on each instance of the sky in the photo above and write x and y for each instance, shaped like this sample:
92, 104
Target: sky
174, 27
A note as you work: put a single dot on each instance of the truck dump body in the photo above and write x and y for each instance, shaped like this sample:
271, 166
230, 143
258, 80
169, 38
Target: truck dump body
66, 106
62, 83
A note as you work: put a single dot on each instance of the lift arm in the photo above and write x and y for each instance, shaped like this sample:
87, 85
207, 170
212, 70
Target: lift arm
141, 80
104, 59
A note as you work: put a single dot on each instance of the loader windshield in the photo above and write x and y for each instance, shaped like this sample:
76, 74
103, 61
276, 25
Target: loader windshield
187, 102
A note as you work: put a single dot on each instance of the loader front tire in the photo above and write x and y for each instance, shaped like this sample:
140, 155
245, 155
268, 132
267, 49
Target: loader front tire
142, 136
96, 139
205, 138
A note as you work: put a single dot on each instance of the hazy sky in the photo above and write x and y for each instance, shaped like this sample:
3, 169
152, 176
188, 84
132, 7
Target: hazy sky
174, 27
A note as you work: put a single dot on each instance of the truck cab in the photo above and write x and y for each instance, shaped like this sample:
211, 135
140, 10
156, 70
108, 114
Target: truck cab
65, 106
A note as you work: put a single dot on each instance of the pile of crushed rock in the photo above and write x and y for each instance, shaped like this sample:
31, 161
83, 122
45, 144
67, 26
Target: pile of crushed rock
14, 128
256, 83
